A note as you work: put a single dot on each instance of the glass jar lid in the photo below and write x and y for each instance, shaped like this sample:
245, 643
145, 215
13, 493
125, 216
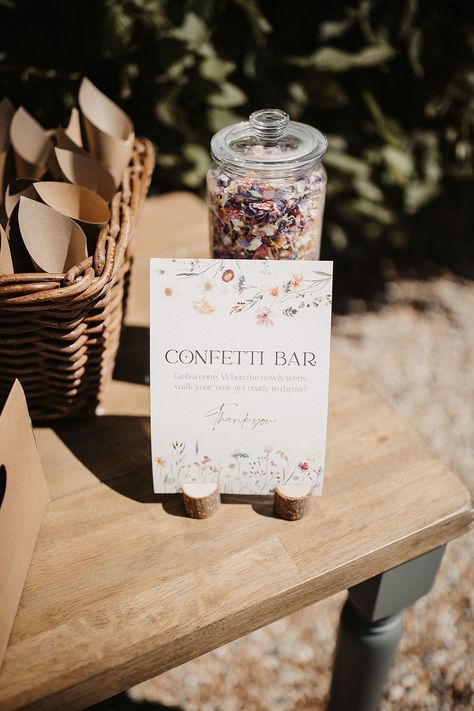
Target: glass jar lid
269, 142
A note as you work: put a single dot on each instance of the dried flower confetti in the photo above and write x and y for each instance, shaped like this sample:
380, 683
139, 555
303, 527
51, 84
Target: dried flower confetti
266, 188
246, 224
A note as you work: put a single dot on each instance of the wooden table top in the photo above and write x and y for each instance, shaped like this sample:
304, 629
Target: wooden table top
122, 586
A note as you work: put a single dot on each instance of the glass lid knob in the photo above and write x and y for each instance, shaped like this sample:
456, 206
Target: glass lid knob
269, 124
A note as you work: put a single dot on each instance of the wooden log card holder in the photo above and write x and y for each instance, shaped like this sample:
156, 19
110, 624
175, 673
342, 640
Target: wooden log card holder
201, 500
292, 501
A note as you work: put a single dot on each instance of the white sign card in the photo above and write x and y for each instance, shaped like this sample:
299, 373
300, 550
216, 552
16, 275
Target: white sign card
239, 373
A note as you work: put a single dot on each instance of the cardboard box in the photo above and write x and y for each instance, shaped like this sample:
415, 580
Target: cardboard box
23, 499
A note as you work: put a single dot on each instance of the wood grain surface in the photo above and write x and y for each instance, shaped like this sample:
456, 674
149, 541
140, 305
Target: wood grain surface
123, 586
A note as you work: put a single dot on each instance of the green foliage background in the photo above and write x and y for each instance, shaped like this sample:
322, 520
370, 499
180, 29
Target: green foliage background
390, 82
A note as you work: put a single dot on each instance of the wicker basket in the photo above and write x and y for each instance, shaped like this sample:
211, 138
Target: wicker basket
59, 333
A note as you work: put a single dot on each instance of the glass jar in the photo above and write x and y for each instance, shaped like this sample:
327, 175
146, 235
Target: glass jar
266, 189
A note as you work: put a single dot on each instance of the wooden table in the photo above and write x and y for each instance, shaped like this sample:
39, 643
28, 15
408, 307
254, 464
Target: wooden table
123, 587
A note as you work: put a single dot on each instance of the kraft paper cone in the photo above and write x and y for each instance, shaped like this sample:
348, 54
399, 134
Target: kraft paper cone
108, 129
6, 264
23, 499
15, 190
70, 138
54, 242
64, 141
77, 202
7, 111
31, 144
73, 129
85, 170
22, 263
103, 113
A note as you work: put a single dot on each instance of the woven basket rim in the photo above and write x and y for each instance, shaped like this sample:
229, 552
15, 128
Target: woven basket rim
86, 281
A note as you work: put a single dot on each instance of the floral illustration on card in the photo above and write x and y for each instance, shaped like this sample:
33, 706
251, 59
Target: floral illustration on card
240, 472
239, 373
265, 301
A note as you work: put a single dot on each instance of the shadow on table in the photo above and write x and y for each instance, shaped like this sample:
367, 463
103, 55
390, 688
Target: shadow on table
96, 441
133, 358
116, 448
122, 702
262, 505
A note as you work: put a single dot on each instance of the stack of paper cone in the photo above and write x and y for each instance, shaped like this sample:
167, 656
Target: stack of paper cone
56, 185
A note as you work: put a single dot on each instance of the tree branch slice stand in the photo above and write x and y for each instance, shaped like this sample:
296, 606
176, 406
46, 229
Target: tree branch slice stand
292, 501
201, 500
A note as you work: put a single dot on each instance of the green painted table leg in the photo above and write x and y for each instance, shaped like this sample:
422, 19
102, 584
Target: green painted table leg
370, 629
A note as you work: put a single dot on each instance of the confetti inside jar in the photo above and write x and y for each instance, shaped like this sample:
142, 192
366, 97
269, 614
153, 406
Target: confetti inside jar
266, 189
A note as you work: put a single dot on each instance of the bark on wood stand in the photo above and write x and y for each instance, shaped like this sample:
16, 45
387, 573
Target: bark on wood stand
292, 501
202, 500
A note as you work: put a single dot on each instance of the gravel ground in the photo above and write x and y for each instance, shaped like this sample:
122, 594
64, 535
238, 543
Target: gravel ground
418, 350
